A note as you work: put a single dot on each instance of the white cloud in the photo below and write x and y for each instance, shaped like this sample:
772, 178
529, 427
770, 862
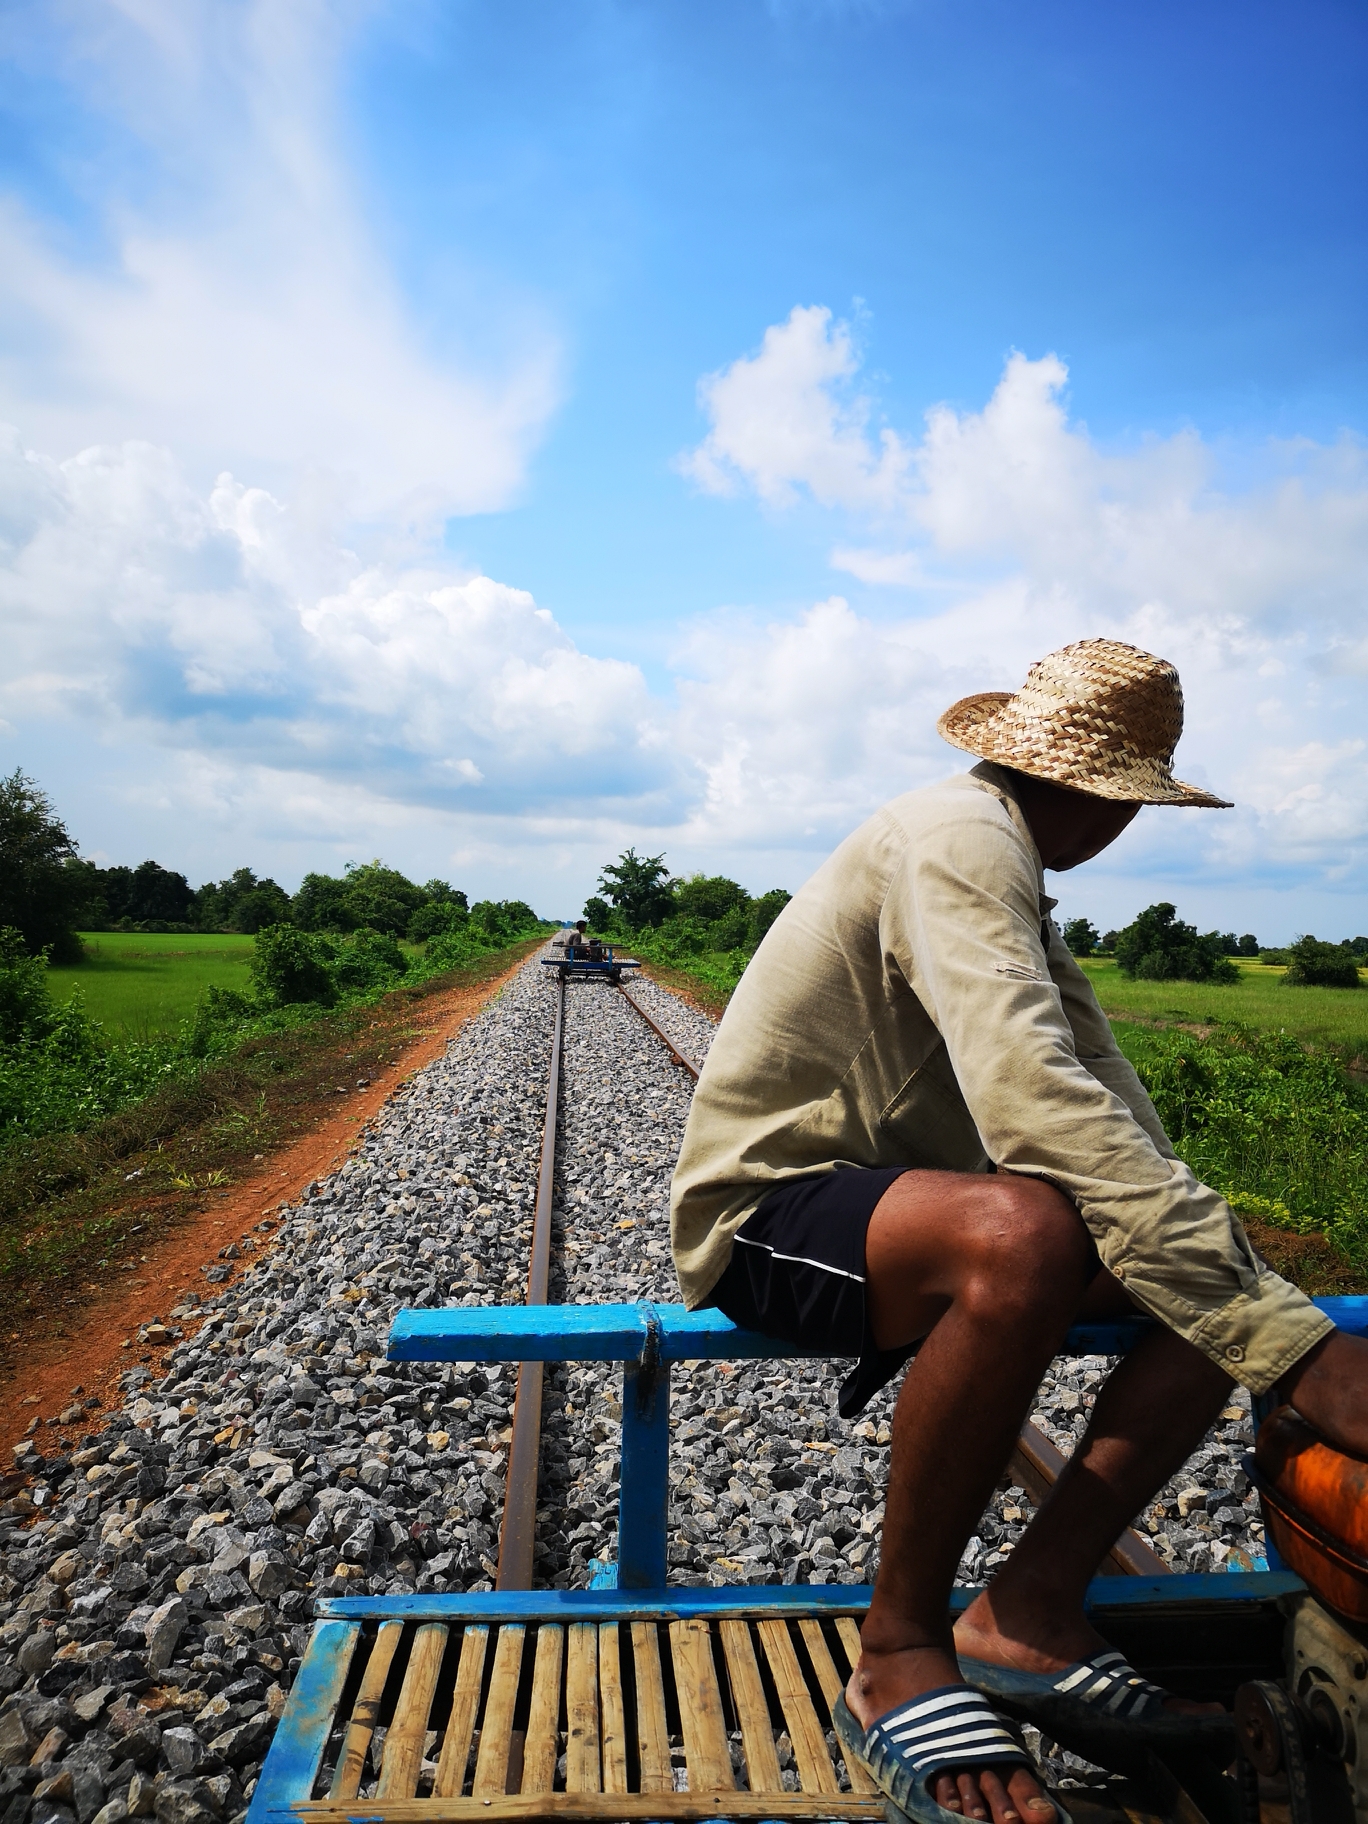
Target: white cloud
224, 626
786, 418
1257, 595
240, 311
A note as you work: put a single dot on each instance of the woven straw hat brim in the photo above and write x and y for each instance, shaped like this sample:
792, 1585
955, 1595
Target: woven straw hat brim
985, 725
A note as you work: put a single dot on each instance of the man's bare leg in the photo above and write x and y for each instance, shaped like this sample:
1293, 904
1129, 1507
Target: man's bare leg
1150, 1416
991, 1270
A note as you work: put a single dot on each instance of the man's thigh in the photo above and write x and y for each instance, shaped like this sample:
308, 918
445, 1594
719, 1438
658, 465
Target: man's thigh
934, 1235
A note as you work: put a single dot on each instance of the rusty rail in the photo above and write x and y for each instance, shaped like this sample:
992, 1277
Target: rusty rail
1036, 1464
664, 1038
517, 1536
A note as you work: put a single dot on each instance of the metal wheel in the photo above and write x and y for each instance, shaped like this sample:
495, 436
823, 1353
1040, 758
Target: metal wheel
1269, 1731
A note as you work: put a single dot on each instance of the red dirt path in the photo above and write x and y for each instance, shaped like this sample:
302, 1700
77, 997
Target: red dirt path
101, 1342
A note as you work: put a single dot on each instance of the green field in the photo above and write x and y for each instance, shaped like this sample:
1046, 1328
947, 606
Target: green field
1333, 1017
141, 986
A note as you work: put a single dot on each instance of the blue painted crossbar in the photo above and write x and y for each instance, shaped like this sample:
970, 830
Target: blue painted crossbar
646, 1339
627, 1333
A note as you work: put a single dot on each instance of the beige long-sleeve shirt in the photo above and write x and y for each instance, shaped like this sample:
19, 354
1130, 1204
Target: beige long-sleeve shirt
913, 1005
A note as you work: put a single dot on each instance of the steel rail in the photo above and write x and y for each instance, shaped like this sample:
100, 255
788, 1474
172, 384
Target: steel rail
664, 1038
517, 1535
1036, 1464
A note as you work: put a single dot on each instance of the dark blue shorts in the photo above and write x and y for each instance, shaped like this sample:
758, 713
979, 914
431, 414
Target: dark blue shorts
797, 1273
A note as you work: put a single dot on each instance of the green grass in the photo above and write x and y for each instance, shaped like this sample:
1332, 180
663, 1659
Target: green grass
1336, 1018
143, 986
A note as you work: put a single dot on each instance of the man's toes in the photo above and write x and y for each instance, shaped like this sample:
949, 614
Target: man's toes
946, 1792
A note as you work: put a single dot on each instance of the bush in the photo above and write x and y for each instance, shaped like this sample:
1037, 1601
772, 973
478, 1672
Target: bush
26, 1010
1312, 964
1158, 947
366, 960
290, 966
433, 919
1257, 1116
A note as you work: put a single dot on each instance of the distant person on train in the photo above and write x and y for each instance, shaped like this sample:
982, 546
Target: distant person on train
916, 1137
574, 938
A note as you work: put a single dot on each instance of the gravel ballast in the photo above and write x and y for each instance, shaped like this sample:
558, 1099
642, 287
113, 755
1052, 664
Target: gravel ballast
157, 1583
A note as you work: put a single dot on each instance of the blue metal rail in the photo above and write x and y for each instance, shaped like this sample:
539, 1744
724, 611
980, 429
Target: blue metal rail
647, 1339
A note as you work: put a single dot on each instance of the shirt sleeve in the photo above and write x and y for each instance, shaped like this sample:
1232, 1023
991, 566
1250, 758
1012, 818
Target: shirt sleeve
963, 921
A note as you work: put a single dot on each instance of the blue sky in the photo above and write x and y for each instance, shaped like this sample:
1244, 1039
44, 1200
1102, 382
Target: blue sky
487, 435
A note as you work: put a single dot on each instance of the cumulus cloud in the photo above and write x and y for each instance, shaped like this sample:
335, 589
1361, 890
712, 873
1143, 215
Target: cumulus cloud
788, 418
221, 624
1016, 531
228, 299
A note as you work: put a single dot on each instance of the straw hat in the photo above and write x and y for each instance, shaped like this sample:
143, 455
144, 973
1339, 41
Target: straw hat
1098, 716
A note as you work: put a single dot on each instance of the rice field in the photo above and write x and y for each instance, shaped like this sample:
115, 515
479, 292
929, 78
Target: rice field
141, 986
1333, 1017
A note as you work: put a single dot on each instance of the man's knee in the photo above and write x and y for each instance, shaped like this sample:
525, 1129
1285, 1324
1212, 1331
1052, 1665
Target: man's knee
1030, 1243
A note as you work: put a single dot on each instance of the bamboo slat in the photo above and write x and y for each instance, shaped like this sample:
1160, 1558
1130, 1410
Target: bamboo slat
832, 1686
496, 1731
590, 1808
614, 1711
805, 1732
582, 1710
752, 1711
849, 1630
706, 1751
346, 1782
465, 1700
404, 1743
543, 1722
653, 1730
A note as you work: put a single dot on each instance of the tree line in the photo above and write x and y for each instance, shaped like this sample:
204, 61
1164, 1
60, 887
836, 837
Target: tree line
1158, 946
48, 892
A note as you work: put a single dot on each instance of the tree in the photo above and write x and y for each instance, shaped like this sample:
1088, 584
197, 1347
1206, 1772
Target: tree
39, 895
1249, 944
1110, 939
599, 915
1159, 947
639, 886
243, 903
1312, 964
764, 911
709, 897
1081, 936
442, 893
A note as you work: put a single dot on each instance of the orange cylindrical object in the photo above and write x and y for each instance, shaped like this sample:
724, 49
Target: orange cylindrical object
1306, 1480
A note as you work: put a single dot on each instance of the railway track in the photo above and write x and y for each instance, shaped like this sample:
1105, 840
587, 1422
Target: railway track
517, 1536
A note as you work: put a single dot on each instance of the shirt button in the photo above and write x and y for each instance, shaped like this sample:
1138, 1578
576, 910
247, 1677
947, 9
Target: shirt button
1234, 1353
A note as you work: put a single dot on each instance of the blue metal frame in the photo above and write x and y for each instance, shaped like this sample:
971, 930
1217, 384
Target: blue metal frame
647, 1339
608, 963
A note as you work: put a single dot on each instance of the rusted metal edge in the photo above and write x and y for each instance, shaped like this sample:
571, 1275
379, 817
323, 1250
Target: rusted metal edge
517, 1535
1036, 1464
666, 1041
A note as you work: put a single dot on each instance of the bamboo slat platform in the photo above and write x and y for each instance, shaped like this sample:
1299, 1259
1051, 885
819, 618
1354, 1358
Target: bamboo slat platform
696, 1718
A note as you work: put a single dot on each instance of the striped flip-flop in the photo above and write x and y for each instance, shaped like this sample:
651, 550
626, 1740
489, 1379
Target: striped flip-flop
948, 1730
1101, 1708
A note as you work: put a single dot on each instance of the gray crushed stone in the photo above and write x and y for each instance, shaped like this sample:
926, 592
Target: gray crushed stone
156, 1586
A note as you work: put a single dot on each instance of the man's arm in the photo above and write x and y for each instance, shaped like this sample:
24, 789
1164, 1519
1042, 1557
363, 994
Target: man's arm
963, 919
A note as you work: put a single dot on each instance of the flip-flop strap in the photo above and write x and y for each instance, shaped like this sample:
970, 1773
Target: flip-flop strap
1107, 1684
947, 1729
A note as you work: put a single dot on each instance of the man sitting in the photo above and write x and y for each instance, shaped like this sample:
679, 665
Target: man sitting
915, 1136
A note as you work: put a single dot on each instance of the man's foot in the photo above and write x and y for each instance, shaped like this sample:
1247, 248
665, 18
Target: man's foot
1039, 1637
883, 1681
